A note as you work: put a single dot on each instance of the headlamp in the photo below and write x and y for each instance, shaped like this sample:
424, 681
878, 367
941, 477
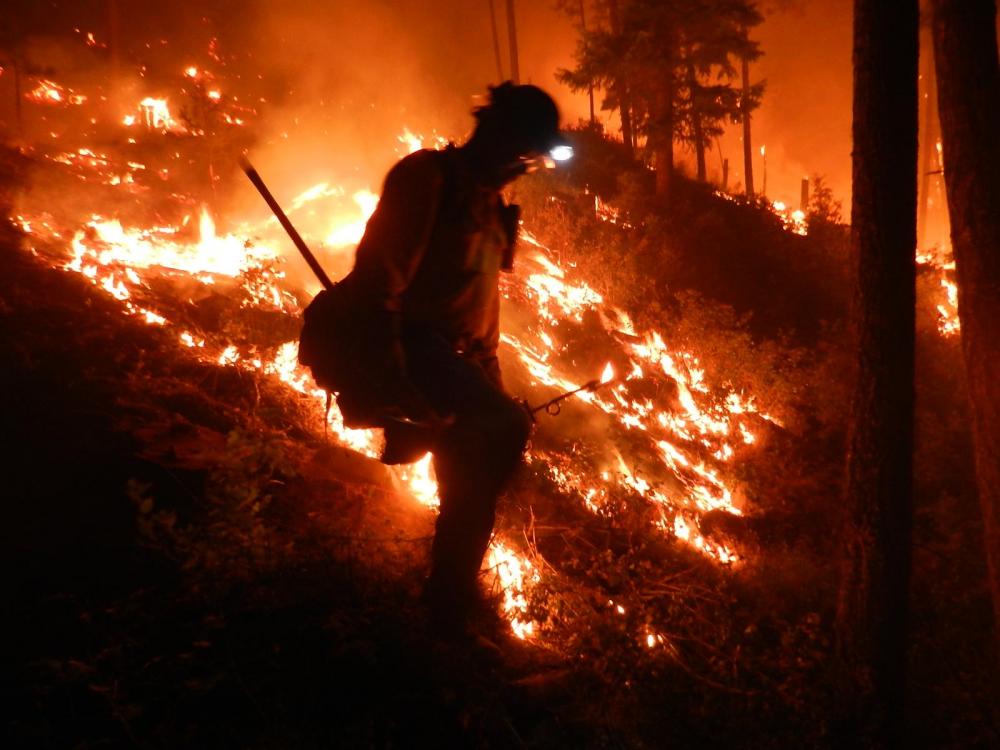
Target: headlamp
562, 152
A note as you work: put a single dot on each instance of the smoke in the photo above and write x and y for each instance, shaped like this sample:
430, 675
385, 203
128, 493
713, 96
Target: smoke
353, 78
333, 84
805, 118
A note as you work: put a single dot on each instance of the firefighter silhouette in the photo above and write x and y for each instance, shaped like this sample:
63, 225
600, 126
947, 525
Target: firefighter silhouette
423, 306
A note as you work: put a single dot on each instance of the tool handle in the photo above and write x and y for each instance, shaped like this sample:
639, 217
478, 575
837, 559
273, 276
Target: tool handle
285, 223
547, 407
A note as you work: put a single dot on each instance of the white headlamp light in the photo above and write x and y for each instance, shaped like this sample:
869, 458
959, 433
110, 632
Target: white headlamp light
561, 152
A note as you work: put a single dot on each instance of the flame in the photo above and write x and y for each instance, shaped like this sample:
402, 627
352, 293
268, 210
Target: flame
515, 575
349, 232
156, 115
105, 242
413, 142
941, 262
792, 221
608, 374
679, 446
50, 92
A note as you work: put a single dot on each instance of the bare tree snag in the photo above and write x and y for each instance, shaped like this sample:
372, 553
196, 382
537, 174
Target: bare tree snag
747, 143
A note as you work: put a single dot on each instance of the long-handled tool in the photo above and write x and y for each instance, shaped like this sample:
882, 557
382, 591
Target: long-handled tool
435, 423
285, 223
554, 405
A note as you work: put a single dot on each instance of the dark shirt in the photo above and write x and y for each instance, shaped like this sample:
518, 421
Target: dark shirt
432, 253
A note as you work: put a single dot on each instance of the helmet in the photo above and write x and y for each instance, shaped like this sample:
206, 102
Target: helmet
524, 115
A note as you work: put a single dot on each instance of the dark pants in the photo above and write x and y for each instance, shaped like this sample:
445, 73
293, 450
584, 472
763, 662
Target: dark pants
473, 458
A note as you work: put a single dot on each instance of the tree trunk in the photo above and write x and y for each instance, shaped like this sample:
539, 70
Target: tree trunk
515, 70
928, 142
496, 43
873, 603
590, 84
664, 145
965, 51
621, 85
625, 110
696, 127
747, 144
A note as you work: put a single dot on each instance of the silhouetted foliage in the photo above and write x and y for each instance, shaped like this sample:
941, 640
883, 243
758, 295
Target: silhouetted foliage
678, 59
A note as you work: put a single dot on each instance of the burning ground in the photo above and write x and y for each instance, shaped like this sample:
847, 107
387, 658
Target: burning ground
203, 555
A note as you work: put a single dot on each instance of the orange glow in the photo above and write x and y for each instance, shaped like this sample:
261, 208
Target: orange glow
50, 92
679, 443
156, 115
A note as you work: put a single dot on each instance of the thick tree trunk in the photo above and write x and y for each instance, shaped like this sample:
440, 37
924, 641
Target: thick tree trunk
872, 612
747, 143
965, 51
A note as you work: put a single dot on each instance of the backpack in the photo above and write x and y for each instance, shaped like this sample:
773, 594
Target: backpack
321, 341
345, 344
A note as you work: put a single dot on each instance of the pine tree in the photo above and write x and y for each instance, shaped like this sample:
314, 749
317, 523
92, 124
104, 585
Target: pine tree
678, 61
872, 613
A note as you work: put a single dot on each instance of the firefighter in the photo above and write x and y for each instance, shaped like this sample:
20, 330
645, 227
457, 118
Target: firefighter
427, 269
